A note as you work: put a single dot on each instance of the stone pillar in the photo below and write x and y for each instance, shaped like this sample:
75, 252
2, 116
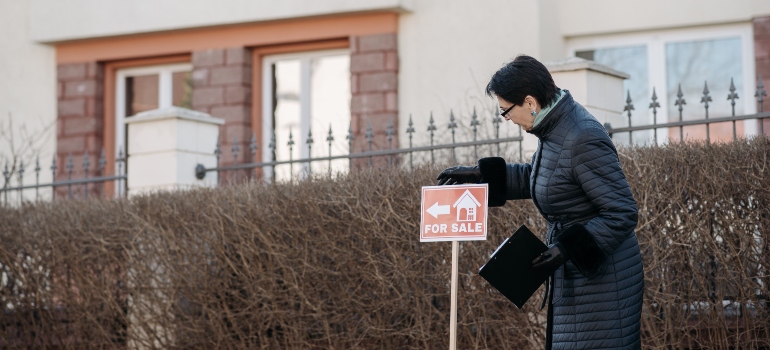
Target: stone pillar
374, 89
222, 88
597, 87
164, 147
80, 95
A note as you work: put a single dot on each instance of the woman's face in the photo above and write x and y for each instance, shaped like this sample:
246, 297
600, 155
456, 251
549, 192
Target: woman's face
521, 114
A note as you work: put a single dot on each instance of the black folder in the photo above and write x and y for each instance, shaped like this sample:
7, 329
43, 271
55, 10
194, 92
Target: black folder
509, 269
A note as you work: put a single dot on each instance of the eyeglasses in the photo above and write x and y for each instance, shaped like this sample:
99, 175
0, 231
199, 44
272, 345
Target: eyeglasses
503, 113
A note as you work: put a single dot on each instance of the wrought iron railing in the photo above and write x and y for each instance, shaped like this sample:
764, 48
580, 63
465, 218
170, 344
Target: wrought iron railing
680, 102
393, 155
90, 177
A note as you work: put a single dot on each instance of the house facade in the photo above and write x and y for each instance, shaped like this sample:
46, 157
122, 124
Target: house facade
280, 72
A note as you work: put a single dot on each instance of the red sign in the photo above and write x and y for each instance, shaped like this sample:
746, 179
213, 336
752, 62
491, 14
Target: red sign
454, 213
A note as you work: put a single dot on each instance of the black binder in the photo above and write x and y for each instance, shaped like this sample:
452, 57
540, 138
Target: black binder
509, 269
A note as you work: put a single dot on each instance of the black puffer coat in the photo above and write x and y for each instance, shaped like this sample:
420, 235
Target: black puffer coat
576, 182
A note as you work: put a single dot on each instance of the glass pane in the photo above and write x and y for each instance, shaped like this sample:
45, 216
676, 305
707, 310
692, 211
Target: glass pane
181, 89
694, 63
328, 103
330, 107
631, 60
141, 94
286, 114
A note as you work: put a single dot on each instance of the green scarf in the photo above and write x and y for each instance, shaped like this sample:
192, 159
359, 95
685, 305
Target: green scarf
544, 112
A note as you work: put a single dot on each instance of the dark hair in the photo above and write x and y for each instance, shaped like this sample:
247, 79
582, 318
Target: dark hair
524, 76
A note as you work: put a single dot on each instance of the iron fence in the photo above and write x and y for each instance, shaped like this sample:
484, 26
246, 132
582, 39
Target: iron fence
395, 156
90, 177
705, 100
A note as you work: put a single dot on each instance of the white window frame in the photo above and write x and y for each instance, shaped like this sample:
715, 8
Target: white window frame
656, 40
304, 97
165, 96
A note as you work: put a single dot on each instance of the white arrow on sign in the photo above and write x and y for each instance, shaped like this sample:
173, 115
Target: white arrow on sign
437, 210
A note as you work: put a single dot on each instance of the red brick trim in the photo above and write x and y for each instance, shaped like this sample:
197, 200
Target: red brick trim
80, 119
374, 88
222, 83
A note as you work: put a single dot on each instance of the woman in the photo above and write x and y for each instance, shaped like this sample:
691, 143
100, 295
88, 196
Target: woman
575, 181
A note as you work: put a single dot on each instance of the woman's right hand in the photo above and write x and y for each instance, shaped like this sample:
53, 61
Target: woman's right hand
459, 174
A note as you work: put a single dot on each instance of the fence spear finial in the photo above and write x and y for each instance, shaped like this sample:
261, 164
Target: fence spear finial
86, 162
760, 94
253, 147
732, 96
330, 136
272, 143
432, 129
629, 106
410, 131
475, 123
655, 105
6, 173
291, 140
102, 162
410, 128
369, 133
706, 98
350, 138
330, 140
236, 149
53, 167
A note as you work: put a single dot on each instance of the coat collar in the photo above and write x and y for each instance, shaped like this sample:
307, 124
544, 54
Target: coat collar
554, 116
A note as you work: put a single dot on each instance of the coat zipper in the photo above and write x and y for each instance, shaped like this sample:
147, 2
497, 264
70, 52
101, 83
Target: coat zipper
534, 178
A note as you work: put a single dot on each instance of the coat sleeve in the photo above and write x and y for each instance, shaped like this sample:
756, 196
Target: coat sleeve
596, 168
506, 181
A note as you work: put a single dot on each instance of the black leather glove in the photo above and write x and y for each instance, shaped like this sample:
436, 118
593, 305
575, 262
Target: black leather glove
550, 259
459, 174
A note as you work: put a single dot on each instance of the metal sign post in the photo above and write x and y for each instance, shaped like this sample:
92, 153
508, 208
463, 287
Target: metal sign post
453, 298
454, 213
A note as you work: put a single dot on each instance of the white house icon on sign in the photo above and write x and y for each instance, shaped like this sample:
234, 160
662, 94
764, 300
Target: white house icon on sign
466, 207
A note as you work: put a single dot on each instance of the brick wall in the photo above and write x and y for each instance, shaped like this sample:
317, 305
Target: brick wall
222, 88
374, 88
762, 57
80, 94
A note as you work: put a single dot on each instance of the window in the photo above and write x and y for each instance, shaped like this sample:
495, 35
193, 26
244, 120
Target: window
145, 88
690, 57
471, 214
303, 93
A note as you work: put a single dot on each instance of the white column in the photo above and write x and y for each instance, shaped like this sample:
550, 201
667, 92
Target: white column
166, 144
597, 87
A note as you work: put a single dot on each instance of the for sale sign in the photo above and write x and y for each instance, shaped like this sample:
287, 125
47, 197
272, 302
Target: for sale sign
454, 213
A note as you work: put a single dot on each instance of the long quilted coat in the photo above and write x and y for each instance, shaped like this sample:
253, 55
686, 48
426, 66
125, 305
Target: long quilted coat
576, 182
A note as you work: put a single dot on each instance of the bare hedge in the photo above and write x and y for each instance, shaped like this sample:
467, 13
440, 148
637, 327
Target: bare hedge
337, 263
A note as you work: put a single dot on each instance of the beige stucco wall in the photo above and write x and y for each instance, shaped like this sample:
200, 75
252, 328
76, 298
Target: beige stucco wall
448, 48
588, 17
27, 93
55, 20
448, 51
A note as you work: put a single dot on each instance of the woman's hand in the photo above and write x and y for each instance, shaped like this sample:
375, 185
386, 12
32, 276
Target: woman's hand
550, 259
459, 174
